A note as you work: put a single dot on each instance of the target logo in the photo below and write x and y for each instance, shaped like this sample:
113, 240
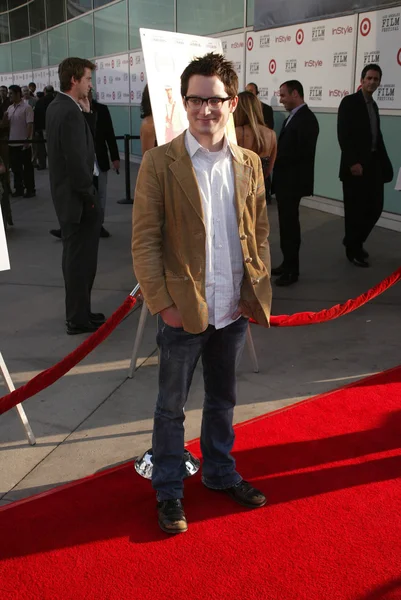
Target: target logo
131, 60
300, 36
399, 57
365, 27
249, 43
104, 79
272, 67
142, 77
112, 64
132, 95
114, 95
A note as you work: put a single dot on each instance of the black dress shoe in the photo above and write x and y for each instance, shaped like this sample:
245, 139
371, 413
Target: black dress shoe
74, 329
17, 194
104, 233
278, 270
98, 318
246, 495
56, 233
286, 279
359, 260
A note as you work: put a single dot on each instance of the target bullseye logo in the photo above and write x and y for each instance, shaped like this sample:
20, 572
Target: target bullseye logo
249, 43
365, 27
272, 66
142, 77
399, 57
131, 60
114, 95
299, 36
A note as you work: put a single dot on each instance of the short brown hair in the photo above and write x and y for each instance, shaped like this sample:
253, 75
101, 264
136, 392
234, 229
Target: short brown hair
209, 65
73, 67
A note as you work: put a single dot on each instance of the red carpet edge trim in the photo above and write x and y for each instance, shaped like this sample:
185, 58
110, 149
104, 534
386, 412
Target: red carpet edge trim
76, 482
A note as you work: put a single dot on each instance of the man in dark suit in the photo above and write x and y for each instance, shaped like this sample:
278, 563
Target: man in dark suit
293, 175
365, 165
72, 169
267, 110
40, 124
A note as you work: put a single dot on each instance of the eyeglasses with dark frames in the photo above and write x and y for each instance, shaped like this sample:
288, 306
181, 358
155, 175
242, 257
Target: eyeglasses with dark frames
214, 103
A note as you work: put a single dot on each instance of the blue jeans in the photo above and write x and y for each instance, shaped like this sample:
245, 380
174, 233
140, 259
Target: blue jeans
180, 351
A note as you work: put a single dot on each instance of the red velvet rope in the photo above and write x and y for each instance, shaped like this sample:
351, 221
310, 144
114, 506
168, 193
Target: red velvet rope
52, 374
49, 376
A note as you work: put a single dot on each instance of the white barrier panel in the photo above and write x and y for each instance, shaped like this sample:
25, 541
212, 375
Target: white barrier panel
6, 79
138, 78
234, 50
23, 78
4, 259
53, 78
112, 79
319, 54
379, 41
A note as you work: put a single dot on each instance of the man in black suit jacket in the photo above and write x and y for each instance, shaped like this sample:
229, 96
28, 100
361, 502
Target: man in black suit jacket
267, 110
365, 165
293, 175
72, 168
105, 144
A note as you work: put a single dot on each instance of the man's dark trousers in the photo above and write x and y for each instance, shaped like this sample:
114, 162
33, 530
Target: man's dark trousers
22, 168
290, 229
79, 263
363, 204
180, 351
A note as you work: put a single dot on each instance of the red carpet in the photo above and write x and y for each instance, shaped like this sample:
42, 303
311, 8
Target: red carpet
331, 467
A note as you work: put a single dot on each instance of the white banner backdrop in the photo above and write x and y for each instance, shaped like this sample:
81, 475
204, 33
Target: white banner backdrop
112, 79
319, 54
379, 41
138, 78
53, 78
166, 56
234, 50
6, 79
41, 78
23, 78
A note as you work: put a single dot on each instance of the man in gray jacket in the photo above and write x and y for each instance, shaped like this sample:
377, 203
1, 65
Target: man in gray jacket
72, 175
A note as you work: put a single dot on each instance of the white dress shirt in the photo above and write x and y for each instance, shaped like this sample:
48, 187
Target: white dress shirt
224, 261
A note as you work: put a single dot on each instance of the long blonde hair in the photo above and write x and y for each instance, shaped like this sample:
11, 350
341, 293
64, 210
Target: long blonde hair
249, 112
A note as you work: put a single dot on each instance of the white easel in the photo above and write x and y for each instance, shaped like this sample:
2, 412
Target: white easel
21, 413
141, 329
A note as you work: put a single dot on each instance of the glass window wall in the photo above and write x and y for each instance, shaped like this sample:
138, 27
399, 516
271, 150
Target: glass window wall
19, 23
209, 16
80, 37
37, 16
111, 35
153, 14
58, 45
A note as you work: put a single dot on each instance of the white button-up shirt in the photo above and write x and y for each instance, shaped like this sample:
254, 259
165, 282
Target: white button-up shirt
224, 261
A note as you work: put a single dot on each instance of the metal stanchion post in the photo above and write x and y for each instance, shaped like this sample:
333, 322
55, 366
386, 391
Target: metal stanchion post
127, 199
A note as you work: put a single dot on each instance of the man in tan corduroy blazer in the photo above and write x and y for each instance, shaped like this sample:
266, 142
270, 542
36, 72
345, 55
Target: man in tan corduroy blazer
201, 257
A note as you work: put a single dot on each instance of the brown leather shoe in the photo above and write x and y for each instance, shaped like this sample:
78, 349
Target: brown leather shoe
246, 495
171, 516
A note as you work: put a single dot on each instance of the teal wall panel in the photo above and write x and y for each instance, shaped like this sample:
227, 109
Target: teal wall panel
121, 122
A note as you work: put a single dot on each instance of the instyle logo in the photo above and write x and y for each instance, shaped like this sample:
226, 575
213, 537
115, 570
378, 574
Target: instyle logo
254, 68
365, 27
264, 41
391, 22
313, 63
299, 36
291, 65
263, 92
386, 93
249, 43
371, 57
236, 45
117, 78
316, 93
318, 33
340, 59
342, 30
338, 93
282, 39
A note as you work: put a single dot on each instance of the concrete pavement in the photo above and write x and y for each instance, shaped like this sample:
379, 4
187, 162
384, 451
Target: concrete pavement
95, 417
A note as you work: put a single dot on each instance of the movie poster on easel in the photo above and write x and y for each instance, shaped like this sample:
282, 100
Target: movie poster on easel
4, 258
166, 55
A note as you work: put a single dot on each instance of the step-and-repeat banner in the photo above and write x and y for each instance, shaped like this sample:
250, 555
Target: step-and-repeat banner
320, 55
41, 78
379, 41
112, 79
234, 50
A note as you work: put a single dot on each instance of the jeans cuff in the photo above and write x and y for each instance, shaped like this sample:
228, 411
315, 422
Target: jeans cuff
212, 486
